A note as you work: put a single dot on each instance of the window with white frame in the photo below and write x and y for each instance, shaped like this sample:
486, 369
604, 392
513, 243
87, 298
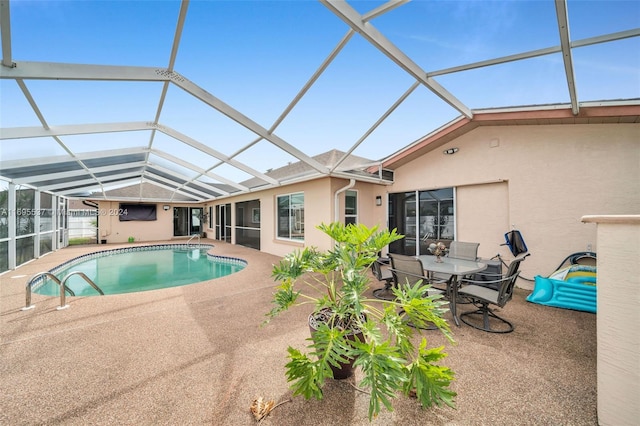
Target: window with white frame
290, 216
350, 207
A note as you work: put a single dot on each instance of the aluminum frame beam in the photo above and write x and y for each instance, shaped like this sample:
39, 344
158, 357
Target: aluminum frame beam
356, 21
567, 56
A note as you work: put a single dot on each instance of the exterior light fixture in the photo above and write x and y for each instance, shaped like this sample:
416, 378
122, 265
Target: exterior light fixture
166, 207
450, 151
378, 200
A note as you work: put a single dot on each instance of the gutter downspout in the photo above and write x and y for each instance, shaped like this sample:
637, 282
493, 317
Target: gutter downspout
336, 203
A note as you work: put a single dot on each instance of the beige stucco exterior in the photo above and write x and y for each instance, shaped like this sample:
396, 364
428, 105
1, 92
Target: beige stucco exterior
111, 229
320, 202
540, 179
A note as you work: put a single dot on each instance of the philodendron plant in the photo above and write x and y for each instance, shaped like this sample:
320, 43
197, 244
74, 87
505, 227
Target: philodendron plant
337, 282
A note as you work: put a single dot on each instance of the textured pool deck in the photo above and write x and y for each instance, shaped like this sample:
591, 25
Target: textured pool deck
198, 355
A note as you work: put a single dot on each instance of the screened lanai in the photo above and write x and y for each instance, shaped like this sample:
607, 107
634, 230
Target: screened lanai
204, 99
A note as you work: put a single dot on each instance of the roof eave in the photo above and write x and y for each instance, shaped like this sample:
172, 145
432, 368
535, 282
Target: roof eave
622, 111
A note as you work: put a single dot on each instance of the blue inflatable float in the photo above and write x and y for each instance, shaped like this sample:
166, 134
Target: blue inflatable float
573, 287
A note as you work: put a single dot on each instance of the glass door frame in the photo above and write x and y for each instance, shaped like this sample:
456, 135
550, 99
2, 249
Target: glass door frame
190, 226
418, 226
223, 222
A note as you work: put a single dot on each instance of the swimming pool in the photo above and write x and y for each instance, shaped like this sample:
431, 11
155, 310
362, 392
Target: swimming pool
141, 268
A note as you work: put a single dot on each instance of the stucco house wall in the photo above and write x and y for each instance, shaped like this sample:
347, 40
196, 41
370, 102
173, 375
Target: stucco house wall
111, 229
319, 195
319, 201
318, 207
540, 179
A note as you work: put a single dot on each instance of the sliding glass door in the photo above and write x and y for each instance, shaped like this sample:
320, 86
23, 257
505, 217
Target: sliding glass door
187, 221
223, 222
422, 217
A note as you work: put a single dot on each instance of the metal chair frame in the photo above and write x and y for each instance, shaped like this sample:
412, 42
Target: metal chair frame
385, 275
463, 250
408, 270
480, 293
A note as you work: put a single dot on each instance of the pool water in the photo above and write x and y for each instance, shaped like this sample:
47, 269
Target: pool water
141, 269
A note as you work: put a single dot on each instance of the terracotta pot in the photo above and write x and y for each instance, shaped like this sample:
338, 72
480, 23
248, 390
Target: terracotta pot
346, 369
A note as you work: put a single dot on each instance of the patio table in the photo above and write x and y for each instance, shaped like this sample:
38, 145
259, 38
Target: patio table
456, 268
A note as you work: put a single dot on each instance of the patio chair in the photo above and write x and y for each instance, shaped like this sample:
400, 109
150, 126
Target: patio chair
462, 250
408, 270
457, 250
482, 295
382, 274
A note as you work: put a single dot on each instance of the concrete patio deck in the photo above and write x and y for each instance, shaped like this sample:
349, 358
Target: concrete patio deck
197, 354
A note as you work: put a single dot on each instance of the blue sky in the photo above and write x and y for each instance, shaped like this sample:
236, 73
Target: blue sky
256, 56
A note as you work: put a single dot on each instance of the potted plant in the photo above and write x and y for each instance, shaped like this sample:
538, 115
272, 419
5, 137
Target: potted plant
351, 327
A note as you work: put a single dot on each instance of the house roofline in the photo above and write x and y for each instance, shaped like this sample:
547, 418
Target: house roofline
627, 111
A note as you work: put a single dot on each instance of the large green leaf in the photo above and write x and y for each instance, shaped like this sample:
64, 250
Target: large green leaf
383, 372
283, 298
430, 381
307, 376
